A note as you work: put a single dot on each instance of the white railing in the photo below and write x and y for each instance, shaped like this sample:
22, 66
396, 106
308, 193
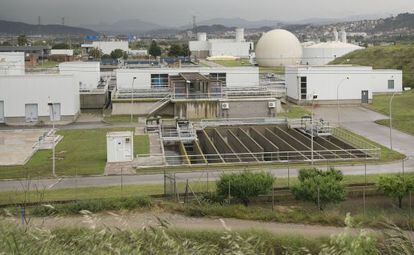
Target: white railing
240, 121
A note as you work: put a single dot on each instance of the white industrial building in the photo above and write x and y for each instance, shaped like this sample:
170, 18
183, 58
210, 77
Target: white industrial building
326, 52
86, 74
12, 63
120, 146
147, 78
350, 84
26, 98
278, 47
105, 46
237, 47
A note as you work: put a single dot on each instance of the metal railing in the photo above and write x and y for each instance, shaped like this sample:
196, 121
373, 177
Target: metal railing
352, 139
269, 157
240, 121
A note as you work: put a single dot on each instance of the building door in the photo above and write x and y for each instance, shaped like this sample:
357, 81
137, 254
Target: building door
31, 113
1, 111
55, 112
364, 96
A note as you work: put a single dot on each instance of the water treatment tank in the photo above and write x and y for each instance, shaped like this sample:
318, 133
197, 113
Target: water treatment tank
278, 48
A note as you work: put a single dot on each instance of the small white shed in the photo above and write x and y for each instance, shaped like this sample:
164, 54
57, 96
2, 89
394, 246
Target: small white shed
120, 146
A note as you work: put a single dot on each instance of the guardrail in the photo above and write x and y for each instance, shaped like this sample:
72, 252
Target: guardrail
240, 121
352, 139
270, 157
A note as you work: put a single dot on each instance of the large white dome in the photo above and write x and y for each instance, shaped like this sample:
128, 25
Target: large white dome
278, 47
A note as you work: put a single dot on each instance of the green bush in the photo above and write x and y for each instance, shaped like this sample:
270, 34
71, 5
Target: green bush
320, 187
396, 187
244, 186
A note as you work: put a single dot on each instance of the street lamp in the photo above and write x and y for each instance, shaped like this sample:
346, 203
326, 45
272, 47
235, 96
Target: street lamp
314, 97
132, 98
392, 97
337, 96
52, 118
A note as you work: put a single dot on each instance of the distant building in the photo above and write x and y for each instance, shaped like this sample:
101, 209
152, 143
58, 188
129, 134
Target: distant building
238, 47
32, 54
347, 83
61, 55
12, 63
105, 46
326, 52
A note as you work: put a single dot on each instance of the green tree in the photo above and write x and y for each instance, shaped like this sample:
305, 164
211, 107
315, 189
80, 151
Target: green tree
244, 186
175, 50
95, 53
61, 46
106, 56
117, 54
185, 50
22, 40
125, 55
396, 187
320, 187
154, 50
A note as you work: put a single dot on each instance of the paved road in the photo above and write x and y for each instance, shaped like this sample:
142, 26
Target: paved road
357, 119
361, 121
134, 221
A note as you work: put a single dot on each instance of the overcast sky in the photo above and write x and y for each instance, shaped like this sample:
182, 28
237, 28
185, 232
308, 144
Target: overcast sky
179, 12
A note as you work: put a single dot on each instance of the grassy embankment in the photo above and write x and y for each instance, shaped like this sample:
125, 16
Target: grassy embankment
402, 110
81, 152
400, 56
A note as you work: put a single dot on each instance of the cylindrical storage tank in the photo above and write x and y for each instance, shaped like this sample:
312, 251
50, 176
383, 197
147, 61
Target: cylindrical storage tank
202, 37
239, 34
278, 48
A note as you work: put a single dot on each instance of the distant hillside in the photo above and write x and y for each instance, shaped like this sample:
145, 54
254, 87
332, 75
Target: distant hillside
401, 21
399, 56
239, 22
16, 28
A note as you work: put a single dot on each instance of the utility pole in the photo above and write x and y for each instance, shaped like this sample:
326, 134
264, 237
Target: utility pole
195, 26
132, 98
52, 118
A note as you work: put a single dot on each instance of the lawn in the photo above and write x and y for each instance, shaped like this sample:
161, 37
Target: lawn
275, 70
294, 112
233, 63
120, 119
81, 152
402, 110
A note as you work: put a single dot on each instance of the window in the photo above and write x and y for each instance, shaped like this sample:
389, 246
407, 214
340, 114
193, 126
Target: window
159, 80
219, 77
303, 87
390, 84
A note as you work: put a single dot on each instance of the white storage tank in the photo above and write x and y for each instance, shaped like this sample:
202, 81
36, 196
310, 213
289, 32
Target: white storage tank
201, 37
120, 146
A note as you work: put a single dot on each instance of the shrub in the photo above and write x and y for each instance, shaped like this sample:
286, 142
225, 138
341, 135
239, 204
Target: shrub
244, 186
396, 187
320, 187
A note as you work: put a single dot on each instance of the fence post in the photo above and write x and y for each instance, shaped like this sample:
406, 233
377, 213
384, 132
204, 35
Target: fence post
186, 192
403, 167
365, 185
229, 192
273, 197
207, 183
122, 180
165, 184
319, 201
288, 175
410, 212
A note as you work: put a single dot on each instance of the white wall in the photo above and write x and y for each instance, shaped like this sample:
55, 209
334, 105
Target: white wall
236, 76
236, 49
16, 91
323, 56
87, 74
12, 63
108, 46
65, 52
324, 81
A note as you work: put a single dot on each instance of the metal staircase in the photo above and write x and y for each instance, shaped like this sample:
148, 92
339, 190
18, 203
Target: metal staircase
159, 105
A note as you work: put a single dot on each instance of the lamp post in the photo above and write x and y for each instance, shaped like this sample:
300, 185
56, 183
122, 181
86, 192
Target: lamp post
52, 118
337, 97
392, 97
132, 98
314, 97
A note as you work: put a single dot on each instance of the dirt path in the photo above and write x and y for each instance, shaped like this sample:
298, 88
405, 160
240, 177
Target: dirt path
134, 221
